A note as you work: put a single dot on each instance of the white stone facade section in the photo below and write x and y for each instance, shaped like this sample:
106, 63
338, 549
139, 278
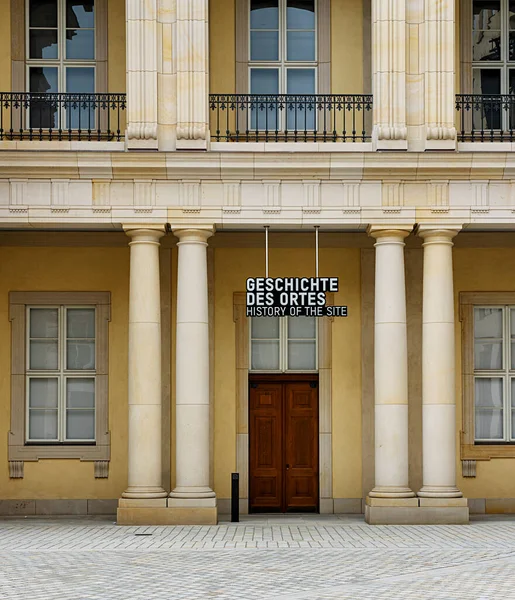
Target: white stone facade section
192, 373
192, 55
144, 452
439, 74
141, 31
390, 365
438, 366
389, 73
167, 75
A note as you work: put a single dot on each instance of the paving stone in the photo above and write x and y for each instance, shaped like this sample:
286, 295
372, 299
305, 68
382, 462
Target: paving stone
257, 559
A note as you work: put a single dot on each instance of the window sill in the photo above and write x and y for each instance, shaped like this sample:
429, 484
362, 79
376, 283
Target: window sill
35, 452
485, 451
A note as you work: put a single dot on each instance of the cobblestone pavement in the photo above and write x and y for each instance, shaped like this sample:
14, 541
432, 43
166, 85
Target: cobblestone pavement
282, 558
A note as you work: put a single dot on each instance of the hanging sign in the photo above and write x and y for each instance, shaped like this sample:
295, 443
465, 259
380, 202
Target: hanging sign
292, 297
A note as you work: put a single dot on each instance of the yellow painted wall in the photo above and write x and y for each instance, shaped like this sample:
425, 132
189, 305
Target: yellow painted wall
116, 46
222, 48
70, 269
347, 46
488, 270
232, 267
5, 47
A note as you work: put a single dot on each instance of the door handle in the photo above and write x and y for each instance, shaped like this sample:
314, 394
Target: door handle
287, 467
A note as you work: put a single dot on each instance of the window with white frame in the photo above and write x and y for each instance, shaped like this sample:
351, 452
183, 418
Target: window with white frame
283, 344
494, 374
283, 59
60, 57
493, 52
60, 374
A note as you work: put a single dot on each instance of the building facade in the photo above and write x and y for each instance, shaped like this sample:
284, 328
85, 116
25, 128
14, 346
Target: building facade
155, 155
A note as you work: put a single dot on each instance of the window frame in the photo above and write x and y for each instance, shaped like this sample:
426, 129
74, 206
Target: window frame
472, 449
62, 374
283, 349
19, 450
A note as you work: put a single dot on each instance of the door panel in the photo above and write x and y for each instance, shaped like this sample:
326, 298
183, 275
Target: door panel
266, 466
301, 446
283, 427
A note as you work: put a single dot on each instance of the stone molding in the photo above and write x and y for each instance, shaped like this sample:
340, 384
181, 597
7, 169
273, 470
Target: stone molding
468, 449
325, 404
18, 452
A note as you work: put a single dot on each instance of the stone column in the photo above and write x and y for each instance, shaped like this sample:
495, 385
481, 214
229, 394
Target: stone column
391, 366
389, 74
439, 75
142, 47
438, 366
145, 486
192, 52
192, 493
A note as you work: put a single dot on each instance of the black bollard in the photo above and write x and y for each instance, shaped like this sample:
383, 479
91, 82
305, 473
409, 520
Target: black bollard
235, 498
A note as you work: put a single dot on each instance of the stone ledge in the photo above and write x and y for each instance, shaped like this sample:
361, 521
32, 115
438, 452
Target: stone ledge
389, 515
167, 516
394, 502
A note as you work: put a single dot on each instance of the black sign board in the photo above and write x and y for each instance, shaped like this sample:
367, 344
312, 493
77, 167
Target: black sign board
292, 297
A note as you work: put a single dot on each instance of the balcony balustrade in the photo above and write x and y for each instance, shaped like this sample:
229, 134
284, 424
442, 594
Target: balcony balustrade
291, 118
485, 118
62, 117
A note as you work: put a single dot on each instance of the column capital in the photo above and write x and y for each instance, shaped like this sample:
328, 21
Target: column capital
193, 235
144, 233
433, 233
395, 232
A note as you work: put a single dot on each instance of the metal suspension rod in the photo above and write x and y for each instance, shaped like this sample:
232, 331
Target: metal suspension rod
266, 249
316, 248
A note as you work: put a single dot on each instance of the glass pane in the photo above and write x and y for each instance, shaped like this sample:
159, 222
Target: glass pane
489, 424
488, 392
264, 14
302, 327
511, 47
301, 14
80, 44
265, 355
264, 112
513, 424
43, 13
486, 14
488, 323
487, 113
43, 393
264, 45
80, 355
301, 113
43, 80
80, 80
488, 355
512, 322
80, 13
302, 355
512, 409
301, 45
80, 323
80, 424
43, 355
265, 327
43, 43
43, 424
43, 323
80, 393
486, 45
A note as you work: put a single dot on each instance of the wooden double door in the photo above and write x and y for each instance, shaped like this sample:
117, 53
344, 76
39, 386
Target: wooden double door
283, 435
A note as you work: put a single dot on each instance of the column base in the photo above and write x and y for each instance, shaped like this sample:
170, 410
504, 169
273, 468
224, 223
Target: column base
416, 511
160, 512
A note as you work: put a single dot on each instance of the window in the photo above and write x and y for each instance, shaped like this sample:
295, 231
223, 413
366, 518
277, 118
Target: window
283, 344
493, 57
283, 60
59, 377
60, 57
60, 374
494, 373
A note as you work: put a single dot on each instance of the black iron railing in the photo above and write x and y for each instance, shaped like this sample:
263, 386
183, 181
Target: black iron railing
290, 118
486, 118
62, 117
